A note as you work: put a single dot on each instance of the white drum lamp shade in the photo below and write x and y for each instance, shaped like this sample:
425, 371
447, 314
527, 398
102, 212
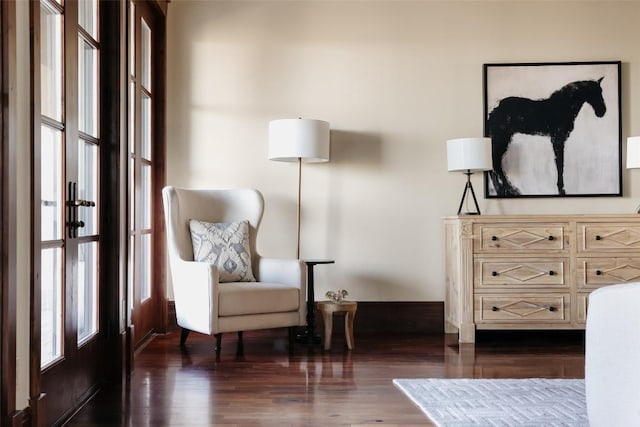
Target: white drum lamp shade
633, 152
304, 139
469, 154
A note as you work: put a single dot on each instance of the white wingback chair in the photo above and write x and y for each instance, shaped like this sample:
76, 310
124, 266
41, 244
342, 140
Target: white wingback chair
203, 304
612, 359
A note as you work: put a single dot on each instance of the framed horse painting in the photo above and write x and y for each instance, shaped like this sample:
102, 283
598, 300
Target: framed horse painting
555, 129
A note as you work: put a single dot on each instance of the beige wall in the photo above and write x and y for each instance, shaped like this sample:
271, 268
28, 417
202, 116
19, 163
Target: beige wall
395, 79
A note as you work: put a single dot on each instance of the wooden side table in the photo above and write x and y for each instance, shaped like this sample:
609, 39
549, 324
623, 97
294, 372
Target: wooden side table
328, 308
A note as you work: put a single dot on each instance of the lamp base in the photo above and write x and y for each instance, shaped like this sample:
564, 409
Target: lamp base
468, 187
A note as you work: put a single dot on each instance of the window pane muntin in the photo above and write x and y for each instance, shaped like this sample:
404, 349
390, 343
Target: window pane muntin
51, 55
51, 326
87, 87
88, 186
87, 289
51, 187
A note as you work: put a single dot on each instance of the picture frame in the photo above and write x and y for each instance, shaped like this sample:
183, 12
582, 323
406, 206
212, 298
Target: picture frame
555, 129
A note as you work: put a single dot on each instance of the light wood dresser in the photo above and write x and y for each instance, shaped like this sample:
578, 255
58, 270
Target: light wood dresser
533, 272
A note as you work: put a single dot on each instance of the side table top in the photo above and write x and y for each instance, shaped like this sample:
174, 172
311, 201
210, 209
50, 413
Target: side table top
318, 261
337, 306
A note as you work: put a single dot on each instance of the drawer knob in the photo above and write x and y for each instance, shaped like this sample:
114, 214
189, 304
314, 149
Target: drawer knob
494, 308
494, 273
598, 238
551, 272
550, 238
598, 273
494, 238
551, 308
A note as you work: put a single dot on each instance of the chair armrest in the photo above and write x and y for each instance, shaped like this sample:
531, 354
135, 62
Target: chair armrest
282, 270
195, 290
287, 271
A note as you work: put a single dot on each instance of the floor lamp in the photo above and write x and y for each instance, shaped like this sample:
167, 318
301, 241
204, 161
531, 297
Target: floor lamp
469, 155
633, 155
299, 140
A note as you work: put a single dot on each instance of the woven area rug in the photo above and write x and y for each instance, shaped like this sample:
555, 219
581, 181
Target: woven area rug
500, 402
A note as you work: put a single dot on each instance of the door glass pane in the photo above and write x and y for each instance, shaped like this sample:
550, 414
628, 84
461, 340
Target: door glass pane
51, 62
146, 126
132, 198
88, 16
145, 268
88, 186
132, 39
145, 197
88, 88
52, 210
132, 115
51, 333
87, 297
131, 271
145, 55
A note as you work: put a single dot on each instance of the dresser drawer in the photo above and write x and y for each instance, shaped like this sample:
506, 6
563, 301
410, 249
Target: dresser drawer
519, 273
596, 272
608, 237
525, 308
520, 238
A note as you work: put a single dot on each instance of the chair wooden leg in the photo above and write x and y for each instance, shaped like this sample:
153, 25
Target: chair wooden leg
240, 348
183, 336
218, 347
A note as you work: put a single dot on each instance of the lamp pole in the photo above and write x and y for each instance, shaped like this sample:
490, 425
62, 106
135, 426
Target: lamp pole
298, 208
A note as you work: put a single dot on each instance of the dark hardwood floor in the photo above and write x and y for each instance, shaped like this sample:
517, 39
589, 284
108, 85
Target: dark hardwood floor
270, 387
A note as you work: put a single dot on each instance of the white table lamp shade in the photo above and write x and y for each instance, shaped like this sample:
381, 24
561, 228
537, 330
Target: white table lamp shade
304, 139
633, 152
472, 154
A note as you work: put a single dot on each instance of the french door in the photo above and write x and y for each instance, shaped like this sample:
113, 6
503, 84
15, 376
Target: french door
67, 236
146, 171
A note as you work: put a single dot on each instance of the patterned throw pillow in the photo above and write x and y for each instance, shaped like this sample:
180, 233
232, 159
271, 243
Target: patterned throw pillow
225, 244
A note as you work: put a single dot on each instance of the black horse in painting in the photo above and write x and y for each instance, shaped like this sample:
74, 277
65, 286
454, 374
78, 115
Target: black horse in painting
553, 117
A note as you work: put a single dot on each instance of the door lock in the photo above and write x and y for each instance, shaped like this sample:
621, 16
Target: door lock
73, 223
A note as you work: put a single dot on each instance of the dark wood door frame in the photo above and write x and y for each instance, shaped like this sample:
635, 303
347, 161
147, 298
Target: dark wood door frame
153, 319
114, 187
8, 215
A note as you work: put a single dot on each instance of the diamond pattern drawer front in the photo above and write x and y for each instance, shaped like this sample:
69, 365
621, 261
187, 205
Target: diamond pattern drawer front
608, 237
521, 308
595, 272
520, 273
522, 238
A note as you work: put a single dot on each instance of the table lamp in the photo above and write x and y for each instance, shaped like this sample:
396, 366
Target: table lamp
469, 155
299, 140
